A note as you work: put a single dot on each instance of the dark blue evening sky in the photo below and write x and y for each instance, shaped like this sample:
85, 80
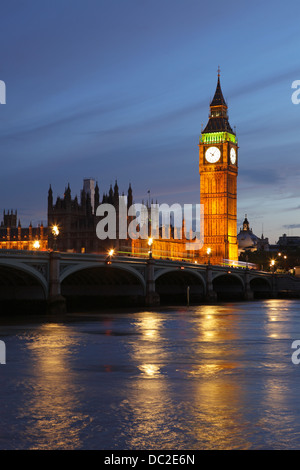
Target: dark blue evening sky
118, 89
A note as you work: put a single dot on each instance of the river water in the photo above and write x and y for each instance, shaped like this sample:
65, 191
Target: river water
207, 377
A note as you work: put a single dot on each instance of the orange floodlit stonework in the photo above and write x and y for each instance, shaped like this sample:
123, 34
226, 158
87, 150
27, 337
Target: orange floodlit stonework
218, 168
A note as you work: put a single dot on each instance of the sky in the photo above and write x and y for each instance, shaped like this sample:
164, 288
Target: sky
119, 89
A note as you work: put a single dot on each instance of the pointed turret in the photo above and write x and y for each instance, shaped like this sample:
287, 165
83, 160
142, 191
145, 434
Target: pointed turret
88, 202
129, 196
116, 194
116, 188
50, 199
218, 118
111, 195
96, 197
246, 225
83, 198
218, 99
67, 194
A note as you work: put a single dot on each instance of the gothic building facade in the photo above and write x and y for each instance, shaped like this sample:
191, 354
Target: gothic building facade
76, 220
15, 237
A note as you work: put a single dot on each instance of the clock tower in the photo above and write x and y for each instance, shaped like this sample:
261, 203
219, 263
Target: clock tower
218, 167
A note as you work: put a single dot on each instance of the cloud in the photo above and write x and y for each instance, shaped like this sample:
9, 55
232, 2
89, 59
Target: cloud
260, 176
293, 208
291, 226
266, 82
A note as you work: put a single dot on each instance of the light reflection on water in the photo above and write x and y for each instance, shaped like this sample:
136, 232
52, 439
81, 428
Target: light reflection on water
207, 377
51, 401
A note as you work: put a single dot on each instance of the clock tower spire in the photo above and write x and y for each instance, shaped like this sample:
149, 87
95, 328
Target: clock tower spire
218, 169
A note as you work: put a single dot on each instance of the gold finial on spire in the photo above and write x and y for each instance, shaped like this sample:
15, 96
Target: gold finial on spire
219, 71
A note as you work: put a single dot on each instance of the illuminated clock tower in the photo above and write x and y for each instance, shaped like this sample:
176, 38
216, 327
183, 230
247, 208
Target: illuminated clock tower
218, 167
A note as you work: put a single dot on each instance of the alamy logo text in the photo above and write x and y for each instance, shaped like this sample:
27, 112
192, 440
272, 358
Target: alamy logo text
140, 221
2, 92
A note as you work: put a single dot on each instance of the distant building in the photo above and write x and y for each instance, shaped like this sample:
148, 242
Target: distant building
77, 220
16, 237
248, 241
9, 219
288, 242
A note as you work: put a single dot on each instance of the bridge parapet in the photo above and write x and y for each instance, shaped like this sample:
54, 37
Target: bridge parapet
51, 269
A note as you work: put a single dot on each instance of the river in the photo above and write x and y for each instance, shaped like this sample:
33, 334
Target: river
208, 377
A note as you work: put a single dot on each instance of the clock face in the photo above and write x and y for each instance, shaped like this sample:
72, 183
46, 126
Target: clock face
212, 154
233, 156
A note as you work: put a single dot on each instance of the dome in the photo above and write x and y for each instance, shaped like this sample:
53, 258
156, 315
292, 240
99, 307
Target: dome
246, 238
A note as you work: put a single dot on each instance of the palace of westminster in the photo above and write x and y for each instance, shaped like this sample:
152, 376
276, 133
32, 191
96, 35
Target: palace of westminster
77, 220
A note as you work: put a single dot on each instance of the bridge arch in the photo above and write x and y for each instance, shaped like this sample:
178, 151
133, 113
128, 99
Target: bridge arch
78, 267
228, 286
261, 286
172, 284
12, 266
98, 284
23, 289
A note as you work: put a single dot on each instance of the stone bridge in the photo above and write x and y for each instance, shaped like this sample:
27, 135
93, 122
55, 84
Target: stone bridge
57, 280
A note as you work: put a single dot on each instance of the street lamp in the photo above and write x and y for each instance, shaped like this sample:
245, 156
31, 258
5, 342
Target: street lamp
150, 243
55, 233
111, 253
208, 251
272, 265
36, 245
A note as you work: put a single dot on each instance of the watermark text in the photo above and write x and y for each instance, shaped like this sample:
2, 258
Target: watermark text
2, 92
2, 352
155, 221
296, 354
296, 94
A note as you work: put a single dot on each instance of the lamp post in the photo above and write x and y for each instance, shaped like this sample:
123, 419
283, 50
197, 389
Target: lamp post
210, 293
247, 261
150, 243
110, 255
272, 265
208, 251
152, 297
285, 263
55, 233
279, 255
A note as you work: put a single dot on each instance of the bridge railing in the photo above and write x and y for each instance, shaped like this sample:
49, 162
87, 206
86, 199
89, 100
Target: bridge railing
7, 252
